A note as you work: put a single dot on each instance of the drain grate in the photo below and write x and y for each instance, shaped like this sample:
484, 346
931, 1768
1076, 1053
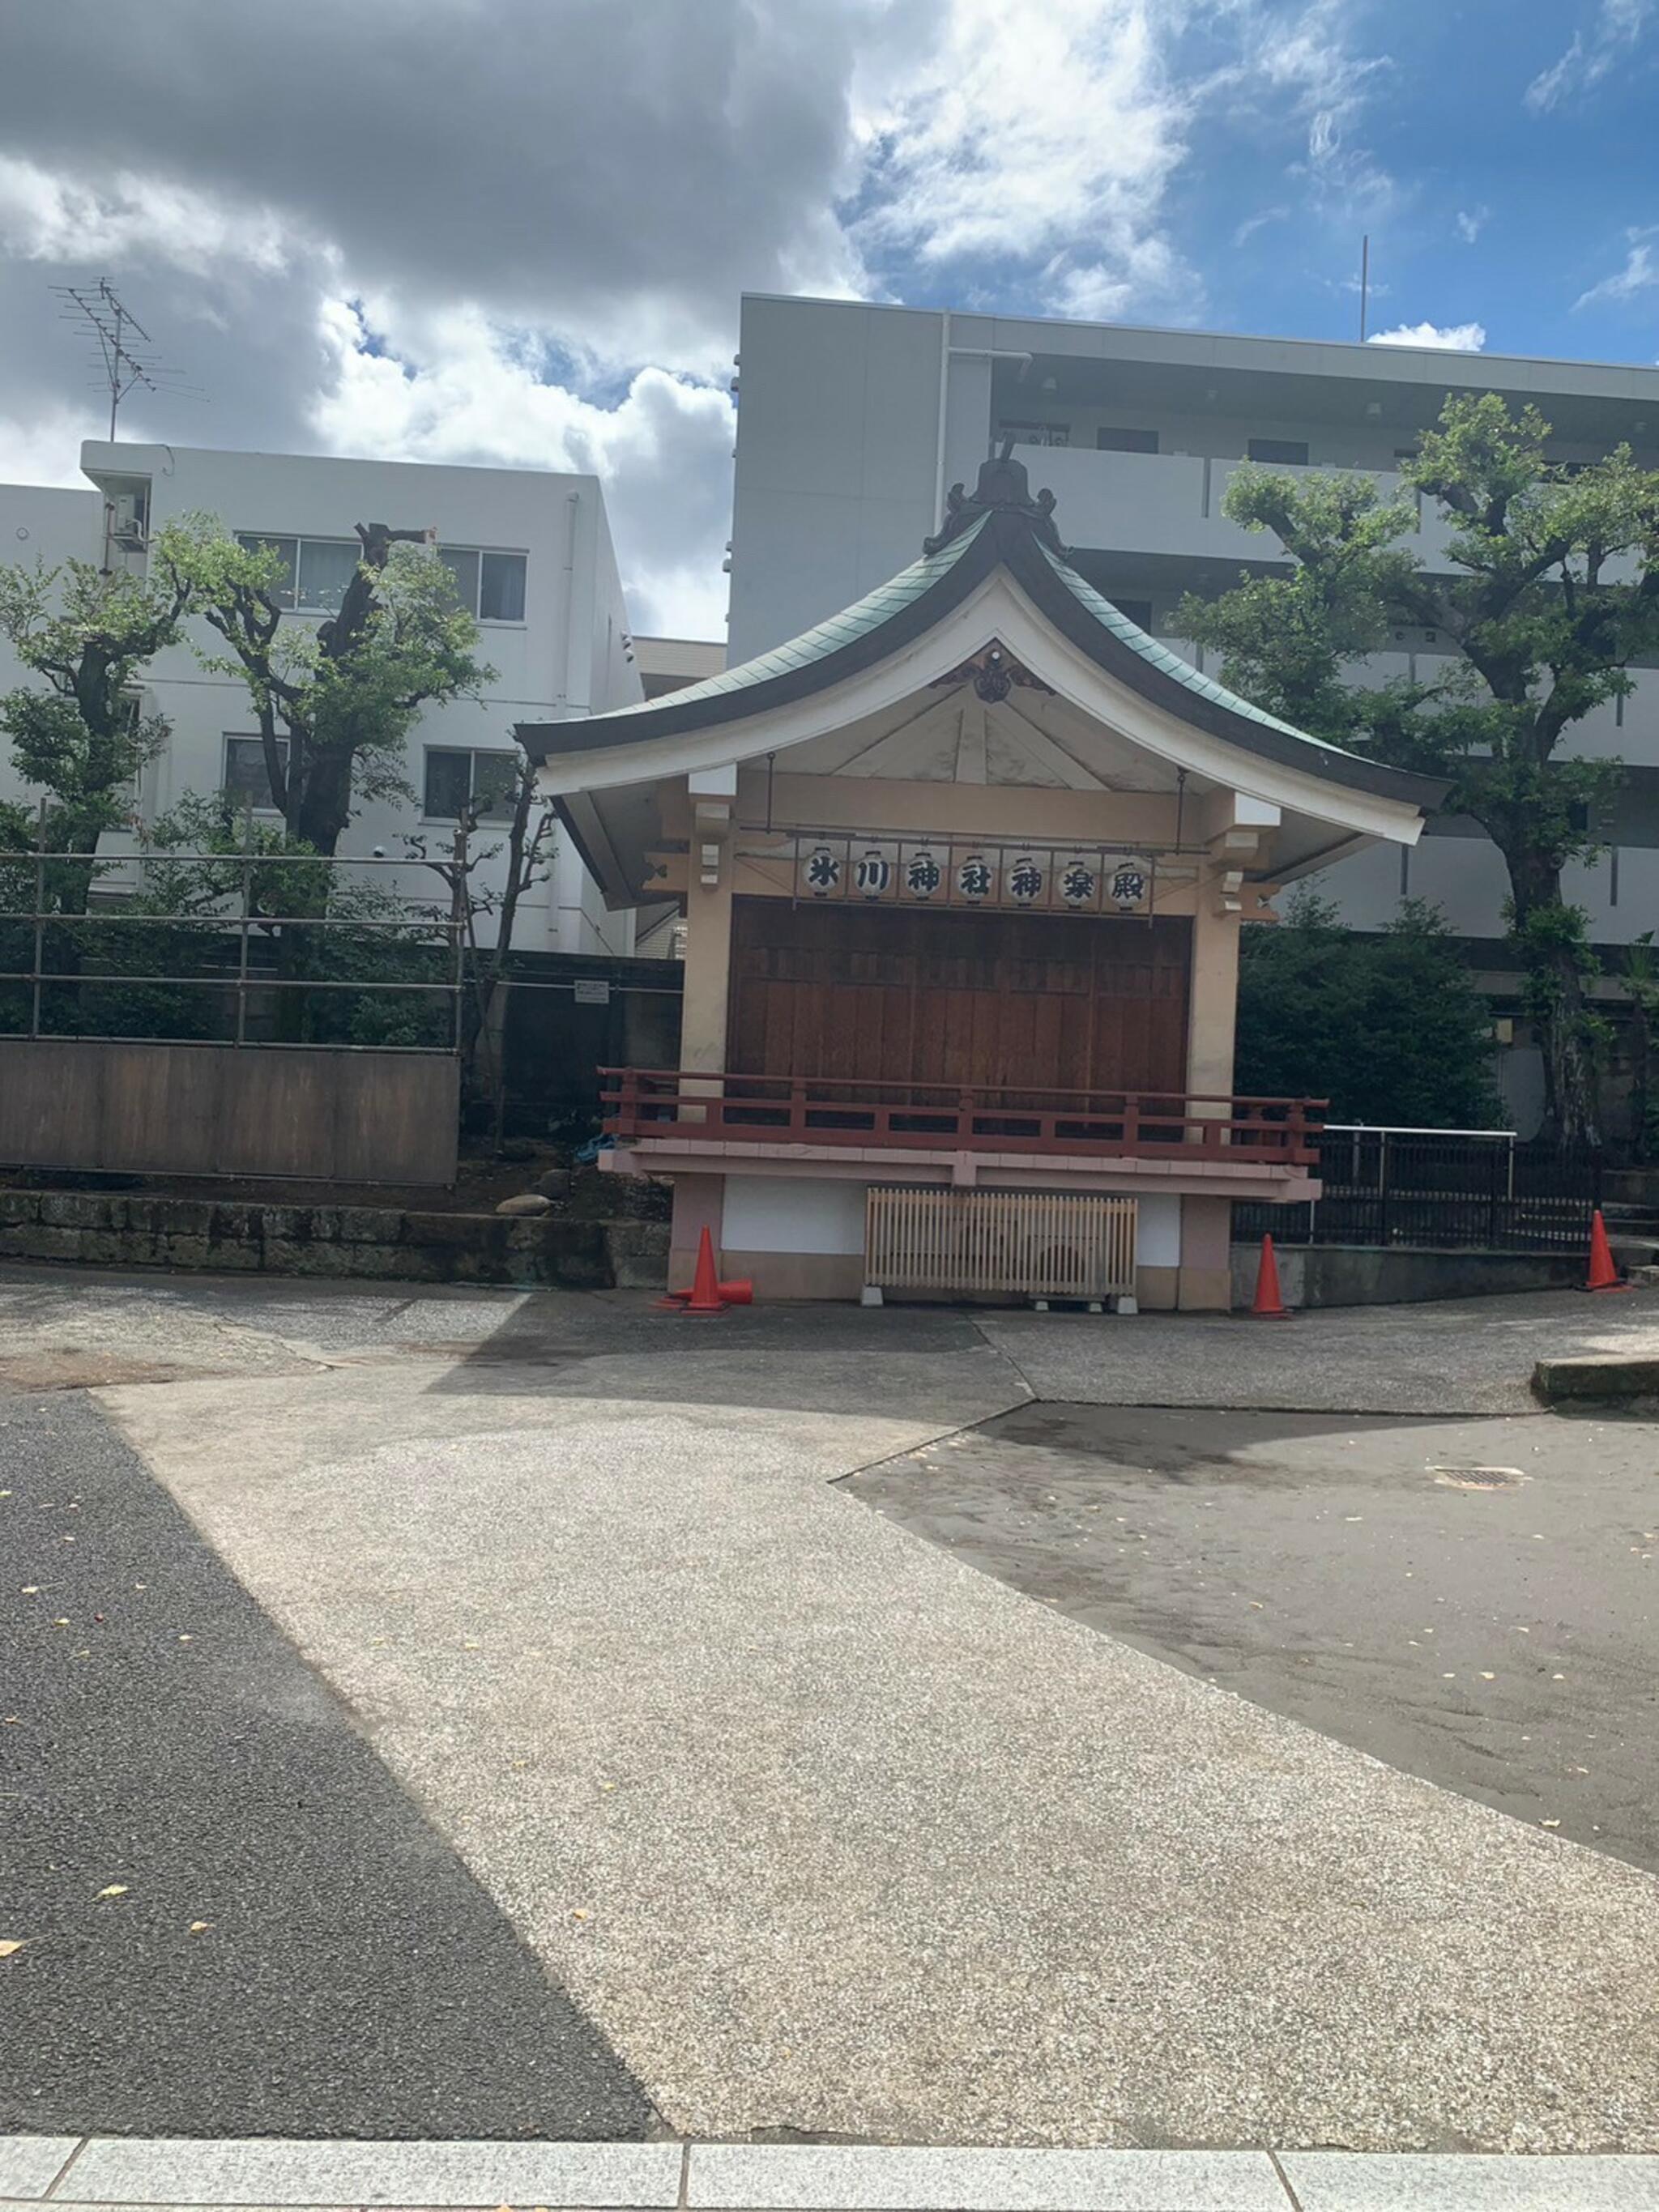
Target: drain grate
1479, 1477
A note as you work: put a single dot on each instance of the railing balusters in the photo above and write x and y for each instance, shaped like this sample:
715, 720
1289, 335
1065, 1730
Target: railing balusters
640, 1102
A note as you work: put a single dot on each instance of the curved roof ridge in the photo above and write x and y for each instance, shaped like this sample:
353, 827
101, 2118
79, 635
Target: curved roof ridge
1000, 528
1174, 664
866, 614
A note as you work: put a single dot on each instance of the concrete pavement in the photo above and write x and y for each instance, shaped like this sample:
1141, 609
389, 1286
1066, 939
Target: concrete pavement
825, 1833
117, 2174
1476, 1602
1461, 1355
828, 1832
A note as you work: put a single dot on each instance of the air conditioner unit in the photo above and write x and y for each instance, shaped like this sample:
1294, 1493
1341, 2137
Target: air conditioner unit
128, 515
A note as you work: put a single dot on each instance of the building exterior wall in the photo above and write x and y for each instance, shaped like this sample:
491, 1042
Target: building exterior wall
48, 526
853, 419
570, 656
837, 438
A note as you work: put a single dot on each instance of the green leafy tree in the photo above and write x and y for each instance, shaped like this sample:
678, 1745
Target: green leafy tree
77, 732
1390, 1028
1554, 588
206, 867
334, 700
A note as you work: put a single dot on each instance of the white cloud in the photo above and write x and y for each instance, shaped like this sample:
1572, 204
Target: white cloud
1637, 274
1619, 24
1470, 222
549, 226
1252, 223
446, 386
46, 217
1027, 131
1434, 337
1307, 55
47, 449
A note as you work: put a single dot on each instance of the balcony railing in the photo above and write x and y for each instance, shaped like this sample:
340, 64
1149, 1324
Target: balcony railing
1171, 503
727, 1108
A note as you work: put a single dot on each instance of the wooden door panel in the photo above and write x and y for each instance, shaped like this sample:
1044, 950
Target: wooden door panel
886, 995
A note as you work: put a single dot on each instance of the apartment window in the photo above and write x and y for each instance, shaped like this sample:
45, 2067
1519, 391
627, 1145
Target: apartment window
1285, 452
1037, 434
460, 782
315, 570
1138, 611
247, 783
487, 584
1126, 441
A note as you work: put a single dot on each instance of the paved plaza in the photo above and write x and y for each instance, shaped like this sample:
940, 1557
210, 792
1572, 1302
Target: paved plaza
518, 1716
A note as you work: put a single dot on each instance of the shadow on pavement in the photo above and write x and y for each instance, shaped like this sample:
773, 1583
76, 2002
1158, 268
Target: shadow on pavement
232, 1921
906, 1363
1469, 1600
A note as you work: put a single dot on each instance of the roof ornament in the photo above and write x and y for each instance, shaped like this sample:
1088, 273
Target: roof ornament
1003, 488
994, 673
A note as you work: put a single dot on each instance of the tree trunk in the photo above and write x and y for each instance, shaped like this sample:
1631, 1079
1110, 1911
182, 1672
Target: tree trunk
324, 800
1555, 991
1641, 1078
1569, 1073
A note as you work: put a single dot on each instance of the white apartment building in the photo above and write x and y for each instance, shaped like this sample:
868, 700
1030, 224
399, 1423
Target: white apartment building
853, 420
532, 555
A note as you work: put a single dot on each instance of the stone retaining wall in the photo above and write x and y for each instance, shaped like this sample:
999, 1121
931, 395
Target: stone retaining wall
1368, 1275
377, 1243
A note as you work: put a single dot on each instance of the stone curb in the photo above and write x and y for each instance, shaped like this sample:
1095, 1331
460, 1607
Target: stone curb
182, 2174
1598, 1380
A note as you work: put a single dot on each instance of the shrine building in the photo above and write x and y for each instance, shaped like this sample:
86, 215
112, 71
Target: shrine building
964, 872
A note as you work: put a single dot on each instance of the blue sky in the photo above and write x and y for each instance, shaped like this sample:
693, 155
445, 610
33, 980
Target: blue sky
515, 232
1502, 155
1549, 193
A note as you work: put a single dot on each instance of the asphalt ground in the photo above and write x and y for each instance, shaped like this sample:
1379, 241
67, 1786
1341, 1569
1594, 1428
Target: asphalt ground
231, 1916
67, 1327
1477, 1602
835, 1836
1451, 1356
828, 1832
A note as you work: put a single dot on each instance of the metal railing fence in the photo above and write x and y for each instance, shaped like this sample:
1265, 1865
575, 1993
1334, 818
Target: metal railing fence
1462, 1189
273, 950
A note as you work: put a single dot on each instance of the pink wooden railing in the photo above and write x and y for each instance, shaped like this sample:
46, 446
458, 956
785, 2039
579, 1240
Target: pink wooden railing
811, 1109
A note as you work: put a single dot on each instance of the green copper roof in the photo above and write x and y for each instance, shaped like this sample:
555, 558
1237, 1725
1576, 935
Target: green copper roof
1001, 527
1111, 617
864, 615
877, 608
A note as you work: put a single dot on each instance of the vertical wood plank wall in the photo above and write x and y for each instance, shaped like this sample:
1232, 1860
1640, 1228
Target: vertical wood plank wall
209, 1110
894, 995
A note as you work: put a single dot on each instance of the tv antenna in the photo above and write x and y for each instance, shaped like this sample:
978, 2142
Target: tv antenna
124, 347
1364, 284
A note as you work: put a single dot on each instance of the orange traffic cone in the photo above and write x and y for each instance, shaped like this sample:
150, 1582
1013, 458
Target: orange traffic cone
1603, 1275
705, 1296
1268, 1306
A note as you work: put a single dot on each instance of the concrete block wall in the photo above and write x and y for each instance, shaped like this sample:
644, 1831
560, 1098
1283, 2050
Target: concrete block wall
357, 1242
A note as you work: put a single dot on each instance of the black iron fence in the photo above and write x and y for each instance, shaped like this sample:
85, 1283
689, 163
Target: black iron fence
256, 947
1438, 1188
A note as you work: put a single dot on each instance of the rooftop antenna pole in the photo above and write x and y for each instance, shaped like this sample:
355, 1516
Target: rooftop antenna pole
1365, 282
105, 318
